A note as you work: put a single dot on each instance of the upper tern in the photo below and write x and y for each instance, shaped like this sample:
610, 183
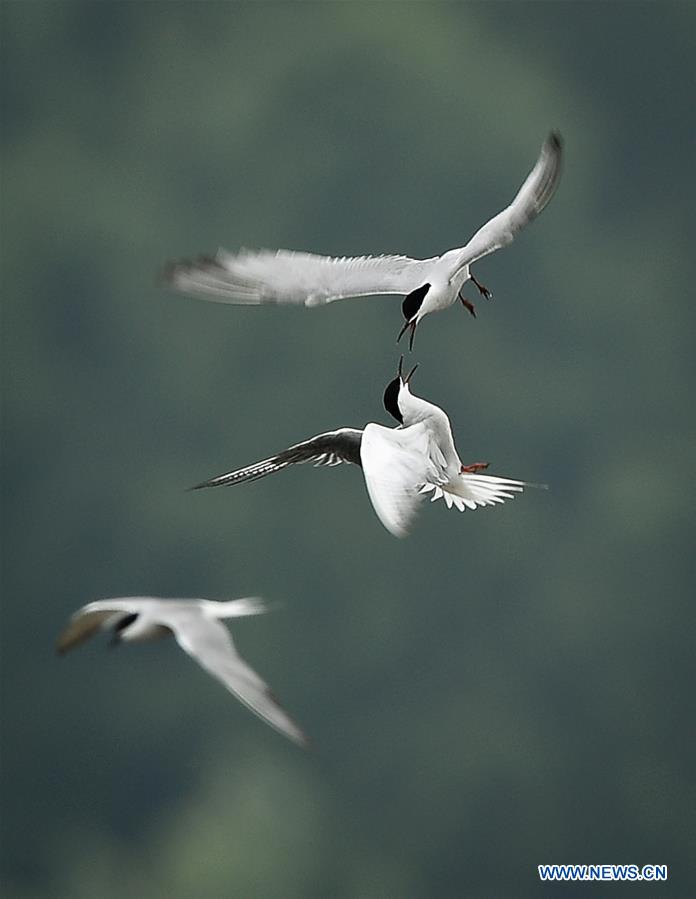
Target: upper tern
252, 277
399, 464
196, 627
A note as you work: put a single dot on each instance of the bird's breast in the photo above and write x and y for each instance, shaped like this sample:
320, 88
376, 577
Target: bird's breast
441, 295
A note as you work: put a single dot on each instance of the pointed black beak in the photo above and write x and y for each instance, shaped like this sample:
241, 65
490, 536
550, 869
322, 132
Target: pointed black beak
412, 326
411, 373
403, 330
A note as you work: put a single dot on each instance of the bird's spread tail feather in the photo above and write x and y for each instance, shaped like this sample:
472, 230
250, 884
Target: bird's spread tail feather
469, 491
238, 608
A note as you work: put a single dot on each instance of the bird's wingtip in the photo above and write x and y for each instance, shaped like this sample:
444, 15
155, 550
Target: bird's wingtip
555, 139
199, 486
303, 741
166, 275
63, 644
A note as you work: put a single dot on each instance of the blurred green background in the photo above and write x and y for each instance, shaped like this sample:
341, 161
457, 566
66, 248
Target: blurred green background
499, 690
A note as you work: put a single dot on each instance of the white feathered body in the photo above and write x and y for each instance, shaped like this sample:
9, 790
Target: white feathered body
149, 625
400, 464
446, 281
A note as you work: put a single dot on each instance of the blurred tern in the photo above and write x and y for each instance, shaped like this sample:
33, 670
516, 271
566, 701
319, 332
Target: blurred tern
196, 627
399, 464
252, 277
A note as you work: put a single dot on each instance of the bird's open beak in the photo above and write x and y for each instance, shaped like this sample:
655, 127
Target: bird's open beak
408, 324
400, 369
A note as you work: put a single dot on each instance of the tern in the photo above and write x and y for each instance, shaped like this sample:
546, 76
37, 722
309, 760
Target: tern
253, 277
196, 627
399, 464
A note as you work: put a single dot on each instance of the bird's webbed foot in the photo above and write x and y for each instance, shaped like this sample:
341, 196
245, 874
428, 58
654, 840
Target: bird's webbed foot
473, 468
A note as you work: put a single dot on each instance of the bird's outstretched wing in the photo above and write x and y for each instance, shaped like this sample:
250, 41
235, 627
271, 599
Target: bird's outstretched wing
532, 197
330, 448
252, 277
92, 618
210, 644
396, 463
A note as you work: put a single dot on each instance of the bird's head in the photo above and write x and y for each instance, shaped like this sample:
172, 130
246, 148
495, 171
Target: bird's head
412, 310
119, 628
394, 390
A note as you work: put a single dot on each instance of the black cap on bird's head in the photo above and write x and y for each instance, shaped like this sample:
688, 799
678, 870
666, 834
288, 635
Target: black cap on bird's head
410, 308
119, 626
414, 301
391, 393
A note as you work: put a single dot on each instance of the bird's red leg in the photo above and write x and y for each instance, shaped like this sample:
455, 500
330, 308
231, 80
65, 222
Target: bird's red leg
482, 289
467, 304
473, 468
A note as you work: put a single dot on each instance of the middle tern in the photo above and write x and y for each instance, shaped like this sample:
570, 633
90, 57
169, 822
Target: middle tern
400, 465
254, 277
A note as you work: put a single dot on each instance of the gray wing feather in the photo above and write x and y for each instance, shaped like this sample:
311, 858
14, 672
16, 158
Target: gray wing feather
285, 276
81, 627
94, 617
210, 644
531, 199
330, 448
